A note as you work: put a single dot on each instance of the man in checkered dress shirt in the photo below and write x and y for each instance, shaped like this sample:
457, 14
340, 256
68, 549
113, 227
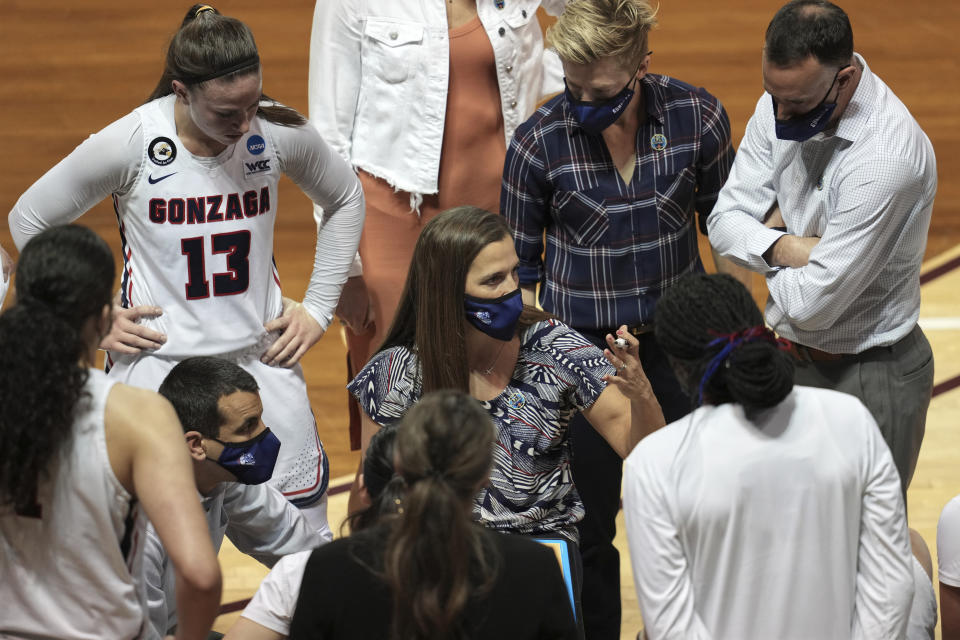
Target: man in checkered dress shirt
842, 255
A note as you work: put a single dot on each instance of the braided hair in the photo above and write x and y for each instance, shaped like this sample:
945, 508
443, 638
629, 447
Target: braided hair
704, 315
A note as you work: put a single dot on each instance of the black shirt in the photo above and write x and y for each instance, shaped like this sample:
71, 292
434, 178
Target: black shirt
342, 596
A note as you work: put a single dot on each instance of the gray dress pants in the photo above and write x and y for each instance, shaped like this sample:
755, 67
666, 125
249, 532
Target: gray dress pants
895, 383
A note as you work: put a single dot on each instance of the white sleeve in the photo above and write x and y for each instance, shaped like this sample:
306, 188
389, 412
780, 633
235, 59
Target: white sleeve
735, 226
660, 569
332, 185
333, 85
884, 583
106, 162
334, 79
159, 583
948, 544
273, 604
264, 525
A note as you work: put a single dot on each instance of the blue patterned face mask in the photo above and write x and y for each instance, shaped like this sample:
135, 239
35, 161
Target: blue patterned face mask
496, 317
596, 115
251, 461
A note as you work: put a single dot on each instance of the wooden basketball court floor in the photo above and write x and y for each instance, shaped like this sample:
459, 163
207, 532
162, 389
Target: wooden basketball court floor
70, 68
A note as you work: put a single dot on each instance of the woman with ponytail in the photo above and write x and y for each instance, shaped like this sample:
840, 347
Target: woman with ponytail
84, 462
430, 572
193, 174
772, 510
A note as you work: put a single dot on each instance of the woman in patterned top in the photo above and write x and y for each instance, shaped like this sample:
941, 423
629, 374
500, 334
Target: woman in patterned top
462, 325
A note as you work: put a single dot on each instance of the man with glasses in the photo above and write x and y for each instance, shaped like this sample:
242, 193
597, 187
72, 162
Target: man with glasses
830, 198
614, 170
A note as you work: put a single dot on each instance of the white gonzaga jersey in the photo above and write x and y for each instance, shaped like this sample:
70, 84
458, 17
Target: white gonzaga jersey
197, 237
67, 565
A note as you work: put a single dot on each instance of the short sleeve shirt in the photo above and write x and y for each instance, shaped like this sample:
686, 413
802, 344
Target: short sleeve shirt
558, 373
273, 604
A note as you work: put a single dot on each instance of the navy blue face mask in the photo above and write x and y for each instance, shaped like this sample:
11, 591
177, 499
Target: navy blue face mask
496, 317
251, 461
596, 115
803, 127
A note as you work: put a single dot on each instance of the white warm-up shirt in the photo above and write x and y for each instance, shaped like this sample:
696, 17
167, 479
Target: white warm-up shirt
259, 522
197, 232
791, 526
948, 544
273, 604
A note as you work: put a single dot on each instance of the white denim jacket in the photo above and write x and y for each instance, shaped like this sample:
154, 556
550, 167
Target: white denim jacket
379, 72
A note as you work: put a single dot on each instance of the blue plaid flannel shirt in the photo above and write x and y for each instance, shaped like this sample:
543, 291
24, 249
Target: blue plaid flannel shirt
612, 248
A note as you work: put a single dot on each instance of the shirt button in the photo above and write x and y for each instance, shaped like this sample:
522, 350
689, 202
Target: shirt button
393, 35
513, 105
509, 68
501, 31
524, 13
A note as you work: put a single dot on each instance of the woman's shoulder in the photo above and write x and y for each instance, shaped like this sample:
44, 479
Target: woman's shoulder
392, 362
553, 336
340, 565
387, 385
545, 332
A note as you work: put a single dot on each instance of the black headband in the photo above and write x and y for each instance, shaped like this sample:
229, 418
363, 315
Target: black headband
219, 73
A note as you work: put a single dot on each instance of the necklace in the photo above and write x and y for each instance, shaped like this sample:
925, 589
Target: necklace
489, 369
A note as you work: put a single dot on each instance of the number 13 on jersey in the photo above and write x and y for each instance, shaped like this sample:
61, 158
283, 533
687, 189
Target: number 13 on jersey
235, 246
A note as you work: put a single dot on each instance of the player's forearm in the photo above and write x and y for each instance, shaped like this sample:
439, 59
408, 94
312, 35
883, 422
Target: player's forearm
335, 258
198, 602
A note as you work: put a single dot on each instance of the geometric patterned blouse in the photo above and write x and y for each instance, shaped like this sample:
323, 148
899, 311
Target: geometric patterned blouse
531, 488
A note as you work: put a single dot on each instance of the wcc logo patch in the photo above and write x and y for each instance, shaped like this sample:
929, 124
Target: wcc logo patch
161, 151
257, 166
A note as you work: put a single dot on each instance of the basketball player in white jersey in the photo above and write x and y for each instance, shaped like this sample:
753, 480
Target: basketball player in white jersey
193, 174
81, 459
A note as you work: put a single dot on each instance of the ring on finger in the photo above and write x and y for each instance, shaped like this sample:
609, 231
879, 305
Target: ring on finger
622, 366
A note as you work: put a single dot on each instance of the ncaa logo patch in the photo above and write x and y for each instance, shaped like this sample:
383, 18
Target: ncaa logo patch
658, 141
161, 151
256, 145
